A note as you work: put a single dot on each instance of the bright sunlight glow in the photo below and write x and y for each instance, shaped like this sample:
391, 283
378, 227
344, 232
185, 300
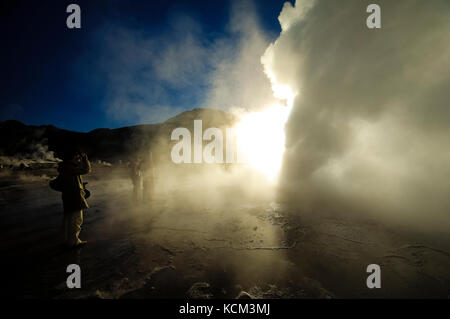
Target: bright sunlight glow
261, 136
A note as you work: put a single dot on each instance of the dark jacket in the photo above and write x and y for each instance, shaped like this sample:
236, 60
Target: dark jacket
72, 185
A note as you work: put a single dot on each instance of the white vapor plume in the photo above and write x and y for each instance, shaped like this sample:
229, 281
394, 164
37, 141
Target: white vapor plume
238, 81
369, 128
151, 77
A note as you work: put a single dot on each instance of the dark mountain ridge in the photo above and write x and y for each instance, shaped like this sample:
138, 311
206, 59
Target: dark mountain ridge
18, 139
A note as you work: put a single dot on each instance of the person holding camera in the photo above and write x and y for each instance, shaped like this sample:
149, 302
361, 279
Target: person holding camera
74, 201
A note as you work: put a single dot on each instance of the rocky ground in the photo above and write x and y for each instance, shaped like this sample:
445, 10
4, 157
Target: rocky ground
172, 248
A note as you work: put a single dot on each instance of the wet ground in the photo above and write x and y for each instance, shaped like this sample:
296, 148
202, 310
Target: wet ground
172, 248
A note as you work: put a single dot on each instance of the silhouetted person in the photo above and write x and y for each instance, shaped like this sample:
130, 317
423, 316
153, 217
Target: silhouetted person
148, 177
70, 170
136, 176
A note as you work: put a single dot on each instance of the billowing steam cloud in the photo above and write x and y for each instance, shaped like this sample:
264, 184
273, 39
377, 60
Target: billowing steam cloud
369, 130
151, 77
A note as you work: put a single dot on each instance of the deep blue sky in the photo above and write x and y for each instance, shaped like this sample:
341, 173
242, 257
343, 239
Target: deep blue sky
41, 58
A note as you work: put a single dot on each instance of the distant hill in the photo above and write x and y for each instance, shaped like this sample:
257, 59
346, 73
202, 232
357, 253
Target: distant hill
18, 139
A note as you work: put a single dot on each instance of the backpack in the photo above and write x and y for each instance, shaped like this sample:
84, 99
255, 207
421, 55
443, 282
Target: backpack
56, 184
